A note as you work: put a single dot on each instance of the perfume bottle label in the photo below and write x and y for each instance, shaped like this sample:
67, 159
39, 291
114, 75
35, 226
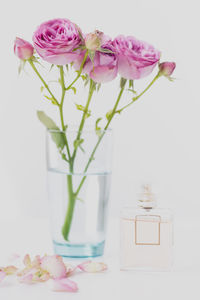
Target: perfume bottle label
147, 230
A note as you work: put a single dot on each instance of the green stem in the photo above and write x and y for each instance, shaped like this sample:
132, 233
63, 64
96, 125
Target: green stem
91, 91
71, 197
100, 138
142, 93
79, 72
43, 81
70, 209
62, 81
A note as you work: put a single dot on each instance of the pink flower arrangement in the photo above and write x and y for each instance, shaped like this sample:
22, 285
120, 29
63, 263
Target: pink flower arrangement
96, 59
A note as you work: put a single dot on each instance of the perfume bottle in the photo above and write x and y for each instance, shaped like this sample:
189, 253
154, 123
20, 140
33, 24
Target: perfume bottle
146, 241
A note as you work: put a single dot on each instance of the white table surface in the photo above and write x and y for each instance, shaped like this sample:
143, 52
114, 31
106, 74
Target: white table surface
32, 236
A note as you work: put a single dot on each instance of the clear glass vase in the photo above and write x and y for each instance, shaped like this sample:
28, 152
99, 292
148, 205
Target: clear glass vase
78, 190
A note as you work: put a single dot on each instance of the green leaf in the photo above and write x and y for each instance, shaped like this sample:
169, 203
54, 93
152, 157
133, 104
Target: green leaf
42, 89
64, 156
82, 108
86, 81
36, 60
131, 90
48, 98
51, 99
57, 136
21, 66
98, 128
105, 50
98, 87
131, 84
47, 121
51, 67
78, 198
80, 33
77, 143
122, 82
91, 54
170, 78
109, 114
84, 77
82, 47
96, 124
65, 127
73, 89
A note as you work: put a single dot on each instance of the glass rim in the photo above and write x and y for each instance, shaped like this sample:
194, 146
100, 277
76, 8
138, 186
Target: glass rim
92, 130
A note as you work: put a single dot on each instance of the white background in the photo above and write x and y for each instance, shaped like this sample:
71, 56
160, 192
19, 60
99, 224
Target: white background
157, 140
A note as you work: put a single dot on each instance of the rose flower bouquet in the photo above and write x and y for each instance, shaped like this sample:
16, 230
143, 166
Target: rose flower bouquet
96, 59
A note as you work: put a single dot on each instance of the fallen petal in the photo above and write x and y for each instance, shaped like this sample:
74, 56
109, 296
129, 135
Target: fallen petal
64, 285
70, 269
23, 272
10, 270
41, 276
2, 276
36, 262
92, 267
27, 279
54, 265
27, 260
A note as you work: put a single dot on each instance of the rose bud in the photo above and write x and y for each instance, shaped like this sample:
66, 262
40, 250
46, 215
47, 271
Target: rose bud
93, 40
23, 49
104, 66
167, 68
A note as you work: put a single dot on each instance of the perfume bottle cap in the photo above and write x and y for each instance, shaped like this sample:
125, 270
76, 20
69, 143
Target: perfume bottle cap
147, 198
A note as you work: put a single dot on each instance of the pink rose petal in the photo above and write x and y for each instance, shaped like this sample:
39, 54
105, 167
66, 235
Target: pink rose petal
10, 270
36, 262
92, 267
2, 276
54, 265
27, 279
64, 285
41, 276
70, 269
27, 260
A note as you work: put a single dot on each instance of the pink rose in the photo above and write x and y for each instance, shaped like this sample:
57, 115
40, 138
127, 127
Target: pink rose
104, 66
55, 41
136, 58
23, 49
167, 68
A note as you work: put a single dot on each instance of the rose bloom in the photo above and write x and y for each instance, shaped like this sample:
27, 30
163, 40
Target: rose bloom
136, 58
55, 41
23, 49
104, 67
